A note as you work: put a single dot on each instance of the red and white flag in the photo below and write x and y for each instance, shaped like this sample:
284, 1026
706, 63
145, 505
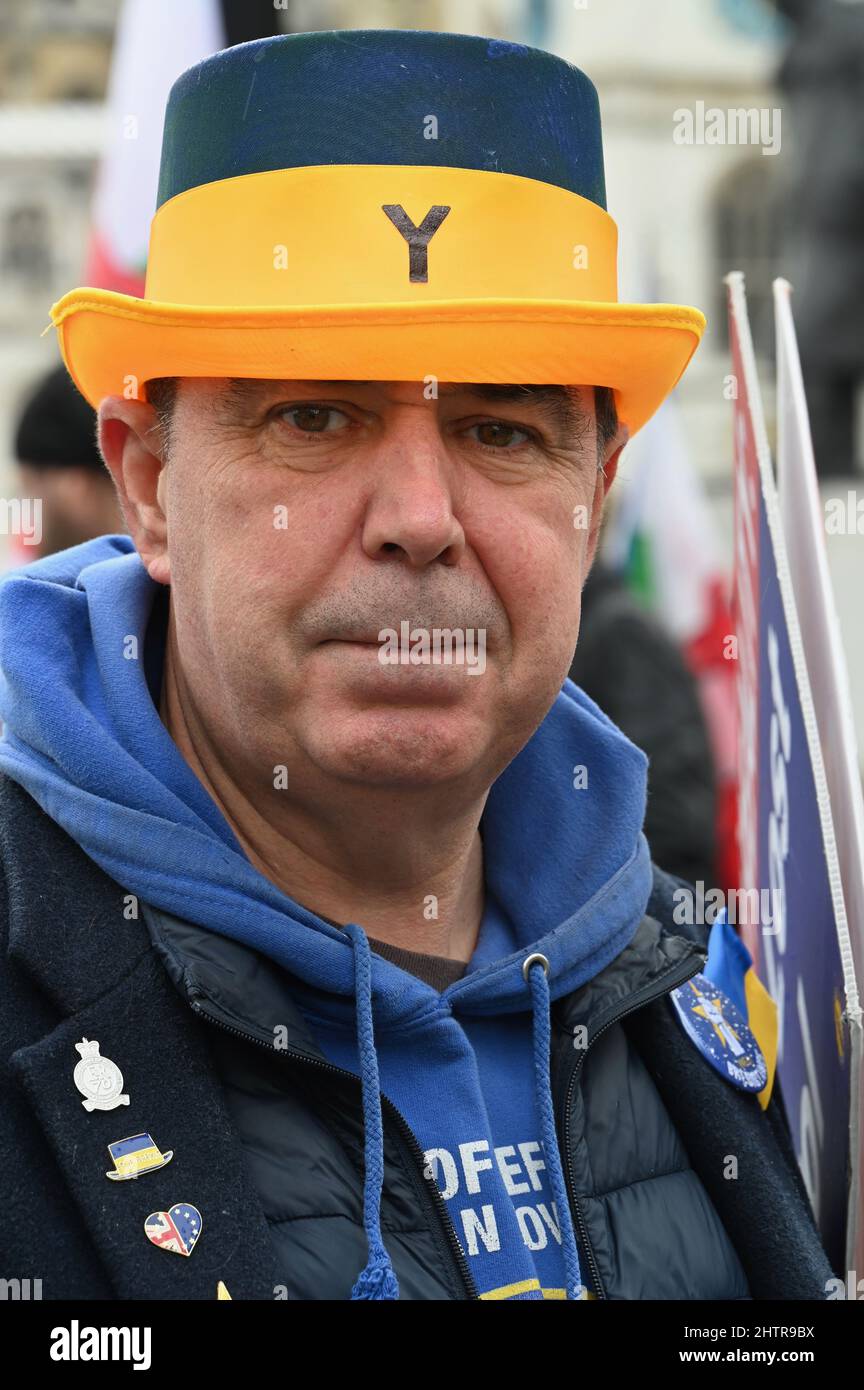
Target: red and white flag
156, 40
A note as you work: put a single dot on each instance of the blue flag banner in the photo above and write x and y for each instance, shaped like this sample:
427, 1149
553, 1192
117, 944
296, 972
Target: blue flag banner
802, 951
805, 531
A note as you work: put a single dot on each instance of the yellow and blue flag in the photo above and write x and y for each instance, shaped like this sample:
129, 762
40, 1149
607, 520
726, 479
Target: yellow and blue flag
730, 967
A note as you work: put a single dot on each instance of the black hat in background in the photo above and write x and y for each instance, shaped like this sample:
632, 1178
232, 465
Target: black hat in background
57, 427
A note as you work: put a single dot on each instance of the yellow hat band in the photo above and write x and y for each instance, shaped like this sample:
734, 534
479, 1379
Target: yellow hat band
379, 273
376, 234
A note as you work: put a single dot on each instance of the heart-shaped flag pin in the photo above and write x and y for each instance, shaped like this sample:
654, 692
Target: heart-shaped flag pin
177, 1229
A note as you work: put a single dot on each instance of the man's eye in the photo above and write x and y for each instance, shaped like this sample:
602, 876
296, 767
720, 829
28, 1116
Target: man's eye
312, 419
499, 434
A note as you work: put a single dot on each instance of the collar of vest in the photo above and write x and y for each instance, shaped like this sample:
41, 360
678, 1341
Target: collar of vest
253, 994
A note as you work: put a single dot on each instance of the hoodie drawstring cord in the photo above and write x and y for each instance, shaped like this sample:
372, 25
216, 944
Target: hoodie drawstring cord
378, 1279
535, 969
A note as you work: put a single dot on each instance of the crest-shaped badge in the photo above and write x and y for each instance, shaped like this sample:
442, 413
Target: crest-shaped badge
98, 1078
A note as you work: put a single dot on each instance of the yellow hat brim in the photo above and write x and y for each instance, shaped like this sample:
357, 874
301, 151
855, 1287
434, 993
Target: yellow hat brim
113, 343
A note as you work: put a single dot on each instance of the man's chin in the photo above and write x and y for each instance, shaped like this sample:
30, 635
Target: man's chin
400, 746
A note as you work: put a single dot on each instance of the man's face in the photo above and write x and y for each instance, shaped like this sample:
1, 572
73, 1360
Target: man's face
302, 519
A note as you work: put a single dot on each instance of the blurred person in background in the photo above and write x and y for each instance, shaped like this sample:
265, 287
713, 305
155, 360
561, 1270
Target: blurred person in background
635, 671
59, 463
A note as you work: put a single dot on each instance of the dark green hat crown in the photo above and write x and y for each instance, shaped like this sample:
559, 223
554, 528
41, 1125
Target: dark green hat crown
364, 96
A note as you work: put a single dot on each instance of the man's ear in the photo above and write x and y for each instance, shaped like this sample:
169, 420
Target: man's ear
605, 478
131, 444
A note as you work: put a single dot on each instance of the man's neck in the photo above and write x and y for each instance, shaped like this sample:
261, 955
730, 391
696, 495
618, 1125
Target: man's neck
406, 878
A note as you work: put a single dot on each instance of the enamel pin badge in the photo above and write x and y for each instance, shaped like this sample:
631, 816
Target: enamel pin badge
98, 1078
178, 1229
718, 1028
136, 1155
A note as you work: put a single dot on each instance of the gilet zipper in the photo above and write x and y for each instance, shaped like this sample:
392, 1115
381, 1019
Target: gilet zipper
405, 1131
647, 996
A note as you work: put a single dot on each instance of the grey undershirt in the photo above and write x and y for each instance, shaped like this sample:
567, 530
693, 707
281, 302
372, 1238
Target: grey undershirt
437, 971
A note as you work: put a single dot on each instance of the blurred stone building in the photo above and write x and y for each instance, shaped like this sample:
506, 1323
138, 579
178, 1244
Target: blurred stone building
54, 63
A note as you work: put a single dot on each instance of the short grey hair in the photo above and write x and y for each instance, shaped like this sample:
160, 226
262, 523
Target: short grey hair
606, 414
162, 395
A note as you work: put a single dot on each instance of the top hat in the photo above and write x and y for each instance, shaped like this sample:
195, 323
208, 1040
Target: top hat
381, 204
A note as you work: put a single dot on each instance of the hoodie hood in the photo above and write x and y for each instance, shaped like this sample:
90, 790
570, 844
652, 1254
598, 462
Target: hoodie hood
567, 870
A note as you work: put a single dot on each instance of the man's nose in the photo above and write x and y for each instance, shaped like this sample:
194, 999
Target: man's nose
412, 501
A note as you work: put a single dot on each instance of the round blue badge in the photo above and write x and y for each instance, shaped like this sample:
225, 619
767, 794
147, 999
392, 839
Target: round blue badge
721, 1033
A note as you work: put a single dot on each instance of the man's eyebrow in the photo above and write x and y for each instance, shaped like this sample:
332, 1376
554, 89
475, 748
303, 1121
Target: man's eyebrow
558, 403
243, 390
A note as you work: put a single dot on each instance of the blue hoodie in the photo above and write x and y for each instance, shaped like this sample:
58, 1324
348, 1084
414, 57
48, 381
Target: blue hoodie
567, 876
